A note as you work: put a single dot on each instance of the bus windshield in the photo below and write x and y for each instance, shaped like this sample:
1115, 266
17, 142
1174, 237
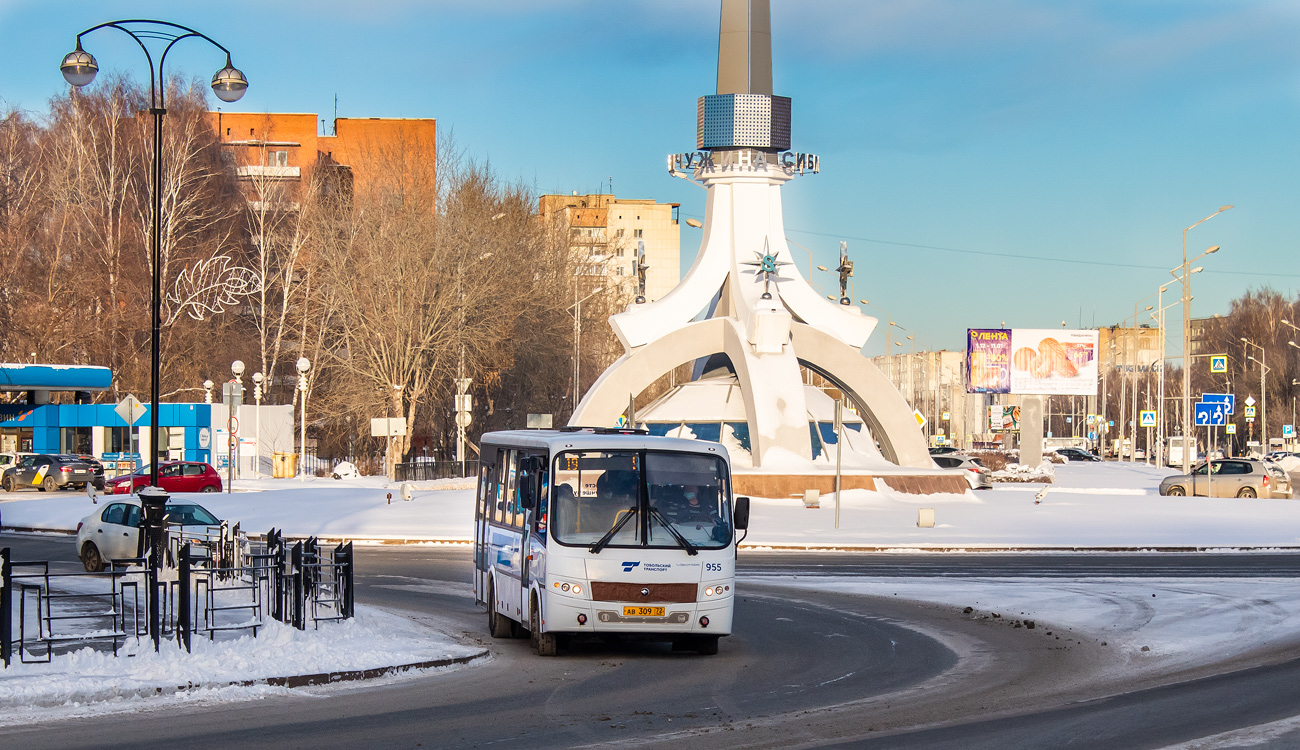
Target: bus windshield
641, 499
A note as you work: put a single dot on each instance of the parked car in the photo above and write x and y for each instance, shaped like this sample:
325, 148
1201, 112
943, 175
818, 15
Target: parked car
48, 472
9, 458
1077, 454
1231, 477
943, 450
94, 463
976, 473
113, 532
173, 476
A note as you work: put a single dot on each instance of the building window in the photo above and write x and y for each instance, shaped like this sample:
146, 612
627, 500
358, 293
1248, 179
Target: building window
619, 252
277, 158
619, 233
621, 271
636, 232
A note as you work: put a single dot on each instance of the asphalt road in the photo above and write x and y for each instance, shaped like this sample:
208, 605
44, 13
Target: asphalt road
804, 669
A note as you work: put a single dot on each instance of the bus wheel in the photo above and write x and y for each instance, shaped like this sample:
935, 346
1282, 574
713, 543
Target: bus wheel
545, 643
498, 626
706, 645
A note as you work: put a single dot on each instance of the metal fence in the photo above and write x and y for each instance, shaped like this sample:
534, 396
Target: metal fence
222, 584
424, 471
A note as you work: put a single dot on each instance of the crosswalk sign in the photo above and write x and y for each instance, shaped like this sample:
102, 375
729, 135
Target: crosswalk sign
1232, 429
1147, 417
1250, 411
1218, 363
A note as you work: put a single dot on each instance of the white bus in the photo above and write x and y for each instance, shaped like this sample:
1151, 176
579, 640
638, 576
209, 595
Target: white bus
606, 532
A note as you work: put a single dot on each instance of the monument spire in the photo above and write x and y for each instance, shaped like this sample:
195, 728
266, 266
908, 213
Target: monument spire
745, 47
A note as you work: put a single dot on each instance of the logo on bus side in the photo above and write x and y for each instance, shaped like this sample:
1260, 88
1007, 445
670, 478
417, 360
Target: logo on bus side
628, 565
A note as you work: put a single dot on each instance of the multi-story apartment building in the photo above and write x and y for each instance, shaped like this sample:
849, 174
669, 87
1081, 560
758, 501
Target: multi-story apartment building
609, 230
282, 149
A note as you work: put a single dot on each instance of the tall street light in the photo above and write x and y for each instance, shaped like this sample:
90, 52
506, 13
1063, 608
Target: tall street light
576, 307
1187, 336
1159, 315
79, 68
1263, 392
303, 366
257, 435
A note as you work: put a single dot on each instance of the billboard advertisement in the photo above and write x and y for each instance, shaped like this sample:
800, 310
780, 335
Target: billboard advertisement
1038, 361
1053, 361
988, 360
1004, 419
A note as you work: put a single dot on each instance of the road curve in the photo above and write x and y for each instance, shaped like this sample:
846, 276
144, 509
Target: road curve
804, 669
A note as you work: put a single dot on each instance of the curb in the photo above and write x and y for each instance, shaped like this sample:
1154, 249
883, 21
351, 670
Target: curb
329, 678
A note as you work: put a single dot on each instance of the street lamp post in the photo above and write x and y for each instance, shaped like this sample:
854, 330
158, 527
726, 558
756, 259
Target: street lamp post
1187, 337
1159, 315
207, 387
303, 366
79, 68
1263, 393
576, 307
232, 421
257, 435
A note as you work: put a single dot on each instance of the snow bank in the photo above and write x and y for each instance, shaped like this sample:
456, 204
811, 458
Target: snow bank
1160, 624
93, 682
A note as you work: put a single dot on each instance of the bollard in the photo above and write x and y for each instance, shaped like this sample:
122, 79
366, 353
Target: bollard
6, 607
154, 502
183, 624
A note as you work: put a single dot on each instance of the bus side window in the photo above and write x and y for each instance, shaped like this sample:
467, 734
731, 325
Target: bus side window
497, 497
511, 469
481, 510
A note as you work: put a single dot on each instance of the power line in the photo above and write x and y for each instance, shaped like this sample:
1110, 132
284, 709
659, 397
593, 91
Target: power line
1025, 257
1017, 256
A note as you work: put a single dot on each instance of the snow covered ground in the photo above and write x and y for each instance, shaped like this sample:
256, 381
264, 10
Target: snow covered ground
89, 682
1154, 625
1106, 505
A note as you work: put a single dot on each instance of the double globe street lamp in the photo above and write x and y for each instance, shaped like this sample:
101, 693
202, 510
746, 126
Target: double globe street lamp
79, 68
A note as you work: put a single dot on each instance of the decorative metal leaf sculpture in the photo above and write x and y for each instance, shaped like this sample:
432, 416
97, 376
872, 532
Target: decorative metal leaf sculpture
210, 286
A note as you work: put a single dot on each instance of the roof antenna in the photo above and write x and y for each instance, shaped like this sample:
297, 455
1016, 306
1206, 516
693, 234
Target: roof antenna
336, 115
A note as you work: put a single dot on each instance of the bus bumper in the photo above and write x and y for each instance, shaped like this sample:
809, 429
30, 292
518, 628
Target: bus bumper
575, 616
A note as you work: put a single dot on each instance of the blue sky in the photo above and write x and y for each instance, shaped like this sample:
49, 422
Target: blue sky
1023, 161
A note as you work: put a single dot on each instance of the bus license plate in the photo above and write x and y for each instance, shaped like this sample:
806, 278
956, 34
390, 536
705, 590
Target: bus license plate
643, 611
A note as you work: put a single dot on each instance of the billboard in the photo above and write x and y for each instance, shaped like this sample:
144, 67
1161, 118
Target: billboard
1040, 361
1004, 419
1053, 361
988, 360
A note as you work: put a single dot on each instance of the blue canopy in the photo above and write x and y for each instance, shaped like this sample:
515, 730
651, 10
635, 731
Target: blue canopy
14, 377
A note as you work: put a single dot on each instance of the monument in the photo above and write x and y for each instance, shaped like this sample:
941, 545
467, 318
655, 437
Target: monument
744, 314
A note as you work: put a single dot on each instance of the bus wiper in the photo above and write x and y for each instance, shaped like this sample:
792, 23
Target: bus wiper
604, 540
690, 548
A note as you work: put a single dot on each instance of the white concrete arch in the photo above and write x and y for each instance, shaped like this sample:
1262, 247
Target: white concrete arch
879, 403
774, 404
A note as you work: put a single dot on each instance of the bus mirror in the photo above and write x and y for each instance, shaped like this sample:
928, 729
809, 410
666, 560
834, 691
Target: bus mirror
741, 516
526, 497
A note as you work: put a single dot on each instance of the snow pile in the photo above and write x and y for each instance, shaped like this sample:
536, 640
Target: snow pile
1159, 624
1289, 463
89, 681
1024, 473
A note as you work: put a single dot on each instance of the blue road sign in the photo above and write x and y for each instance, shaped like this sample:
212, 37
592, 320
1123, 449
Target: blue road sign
1219, 363
1213, 414
1147, 417
1092, 436
1288, 430
1221, 398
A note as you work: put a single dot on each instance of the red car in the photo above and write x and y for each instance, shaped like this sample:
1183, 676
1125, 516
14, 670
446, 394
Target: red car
174, 476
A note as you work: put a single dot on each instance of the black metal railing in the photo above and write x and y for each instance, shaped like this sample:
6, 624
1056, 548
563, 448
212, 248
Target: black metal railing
223, 582
425, 471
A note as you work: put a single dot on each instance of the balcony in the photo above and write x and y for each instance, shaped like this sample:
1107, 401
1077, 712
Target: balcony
269, 173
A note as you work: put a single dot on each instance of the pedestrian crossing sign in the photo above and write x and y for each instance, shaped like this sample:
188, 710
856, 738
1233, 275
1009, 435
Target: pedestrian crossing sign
1148, 417
1250, 411
1232, 429
1218, 363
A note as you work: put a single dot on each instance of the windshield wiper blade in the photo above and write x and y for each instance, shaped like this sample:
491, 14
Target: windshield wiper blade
604, 540
690, 548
